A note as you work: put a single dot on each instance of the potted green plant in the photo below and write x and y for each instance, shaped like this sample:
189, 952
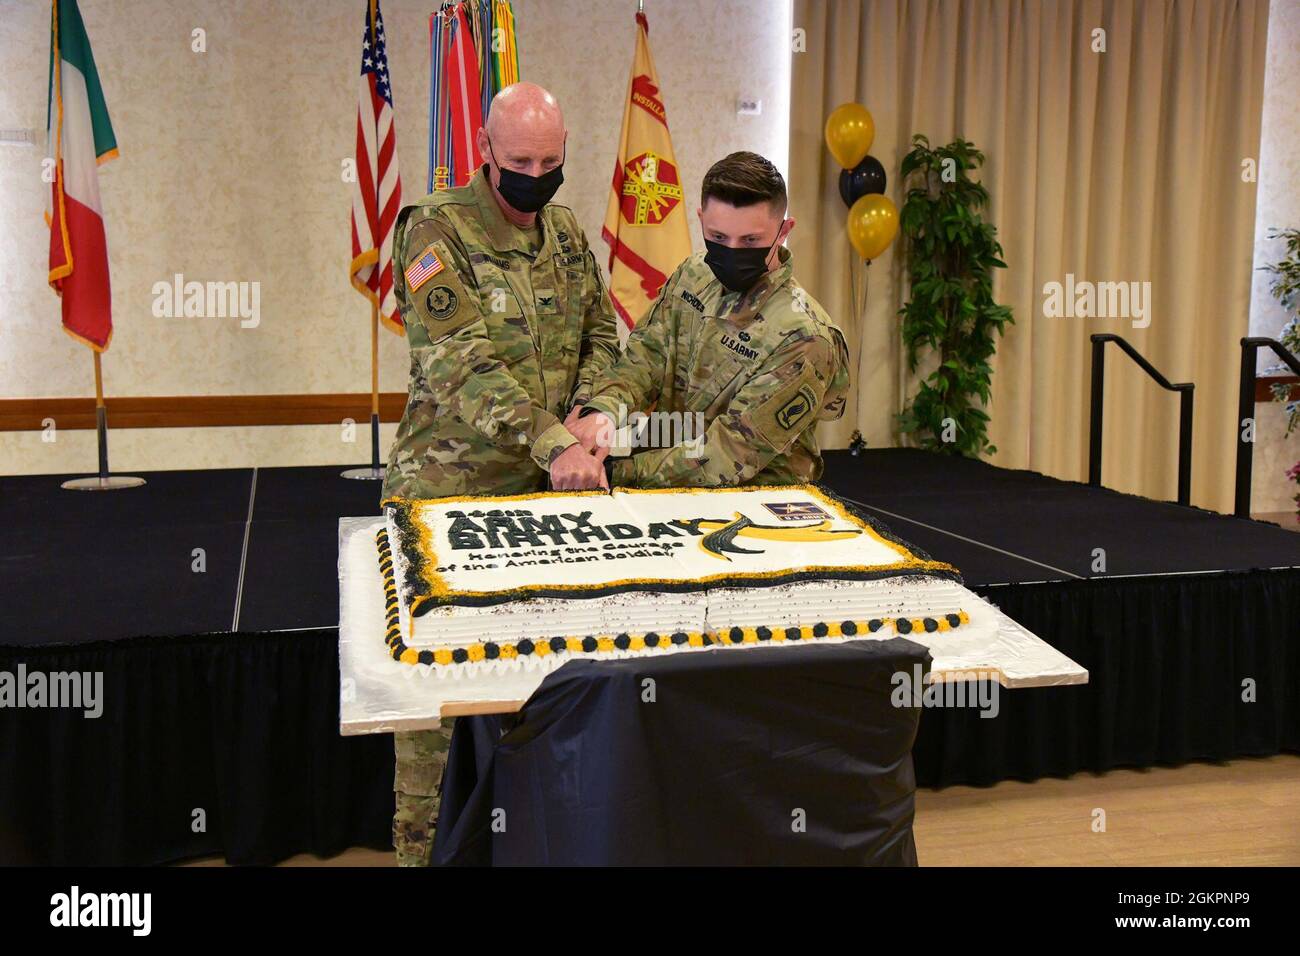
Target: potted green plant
1285, 287
951, 314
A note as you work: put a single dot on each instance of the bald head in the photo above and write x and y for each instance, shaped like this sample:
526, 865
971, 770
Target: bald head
525, 107
525, 134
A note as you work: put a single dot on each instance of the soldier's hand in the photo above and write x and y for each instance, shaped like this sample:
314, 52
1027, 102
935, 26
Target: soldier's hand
575, 470
595, 432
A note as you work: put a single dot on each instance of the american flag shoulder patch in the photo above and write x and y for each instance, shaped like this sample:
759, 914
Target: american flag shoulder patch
423, 268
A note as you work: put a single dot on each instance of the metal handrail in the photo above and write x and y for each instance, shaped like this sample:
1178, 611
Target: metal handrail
1186, 392
1250, 347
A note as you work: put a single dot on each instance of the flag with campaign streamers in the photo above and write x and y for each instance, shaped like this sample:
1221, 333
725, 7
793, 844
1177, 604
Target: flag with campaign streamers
472, 56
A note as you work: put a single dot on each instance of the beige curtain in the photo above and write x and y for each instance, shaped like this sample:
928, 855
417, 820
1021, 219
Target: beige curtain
1123, 165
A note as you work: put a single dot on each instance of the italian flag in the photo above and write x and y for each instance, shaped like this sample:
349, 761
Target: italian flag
80, 137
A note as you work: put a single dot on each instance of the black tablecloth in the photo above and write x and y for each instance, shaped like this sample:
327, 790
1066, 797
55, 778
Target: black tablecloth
741, 756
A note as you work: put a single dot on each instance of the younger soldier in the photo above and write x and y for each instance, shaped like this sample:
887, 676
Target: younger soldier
734, 337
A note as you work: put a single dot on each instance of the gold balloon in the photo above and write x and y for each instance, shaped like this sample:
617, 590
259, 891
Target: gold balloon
850, 131
873, 224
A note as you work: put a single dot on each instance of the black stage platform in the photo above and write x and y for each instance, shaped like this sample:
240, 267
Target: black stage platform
221, 685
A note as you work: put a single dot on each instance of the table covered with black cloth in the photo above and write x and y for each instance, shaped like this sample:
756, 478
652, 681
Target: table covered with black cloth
783, 755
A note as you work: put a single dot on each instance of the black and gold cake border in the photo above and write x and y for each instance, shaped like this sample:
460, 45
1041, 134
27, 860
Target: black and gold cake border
425, 589
484, 651
414, 543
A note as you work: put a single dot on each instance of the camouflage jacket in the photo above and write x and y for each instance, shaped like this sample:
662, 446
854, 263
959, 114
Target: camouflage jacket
502, 342
763, 368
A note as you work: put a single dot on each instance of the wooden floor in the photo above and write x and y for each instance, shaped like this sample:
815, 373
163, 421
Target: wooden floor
1242, 813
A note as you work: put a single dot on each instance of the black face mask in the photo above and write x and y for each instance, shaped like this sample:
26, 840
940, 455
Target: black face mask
738, 269
527, 193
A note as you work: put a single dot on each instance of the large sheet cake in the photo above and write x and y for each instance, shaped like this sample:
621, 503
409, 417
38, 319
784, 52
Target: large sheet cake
482, 597
488, 582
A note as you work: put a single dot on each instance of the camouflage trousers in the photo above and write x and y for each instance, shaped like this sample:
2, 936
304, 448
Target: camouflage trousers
417, 786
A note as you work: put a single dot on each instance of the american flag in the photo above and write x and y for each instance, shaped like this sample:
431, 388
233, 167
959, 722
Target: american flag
419, 270
378, 193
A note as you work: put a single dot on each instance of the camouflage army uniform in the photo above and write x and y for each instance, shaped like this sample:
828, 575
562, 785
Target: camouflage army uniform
764, 367
504, 337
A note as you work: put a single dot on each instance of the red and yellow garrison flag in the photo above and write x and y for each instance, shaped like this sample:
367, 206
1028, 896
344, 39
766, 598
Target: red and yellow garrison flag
645, 222
80, 137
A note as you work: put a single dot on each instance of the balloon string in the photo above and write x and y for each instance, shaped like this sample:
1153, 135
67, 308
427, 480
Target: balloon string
866, 278
853, 288
859, 311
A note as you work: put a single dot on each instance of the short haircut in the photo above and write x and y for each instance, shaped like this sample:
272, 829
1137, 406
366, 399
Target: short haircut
743, 179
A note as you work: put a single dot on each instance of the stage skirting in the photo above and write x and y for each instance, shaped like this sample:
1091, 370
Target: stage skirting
219, 731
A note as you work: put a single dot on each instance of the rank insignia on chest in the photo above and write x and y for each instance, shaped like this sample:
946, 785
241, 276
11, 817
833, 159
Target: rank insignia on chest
424, 267
545, 301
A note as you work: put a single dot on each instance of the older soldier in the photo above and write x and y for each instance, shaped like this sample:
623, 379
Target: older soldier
734, 338
508, 322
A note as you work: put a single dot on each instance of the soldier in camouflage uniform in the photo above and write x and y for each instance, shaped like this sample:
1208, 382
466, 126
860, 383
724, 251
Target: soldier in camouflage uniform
508, 322
733, 336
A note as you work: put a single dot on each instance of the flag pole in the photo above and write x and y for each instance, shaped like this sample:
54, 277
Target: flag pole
101, 418
374, 387
374, 472
374, 378
103, 481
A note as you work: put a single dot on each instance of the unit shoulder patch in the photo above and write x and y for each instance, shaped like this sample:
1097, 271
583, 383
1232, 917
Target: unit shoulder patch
796, 408
441, 302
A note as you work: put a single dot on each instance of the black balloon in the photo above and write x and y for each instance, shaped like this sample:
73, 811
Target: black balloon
865, 178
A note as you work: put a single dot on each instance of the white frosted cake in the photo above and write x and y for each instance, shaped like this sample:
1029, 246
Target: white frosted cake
482, 584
